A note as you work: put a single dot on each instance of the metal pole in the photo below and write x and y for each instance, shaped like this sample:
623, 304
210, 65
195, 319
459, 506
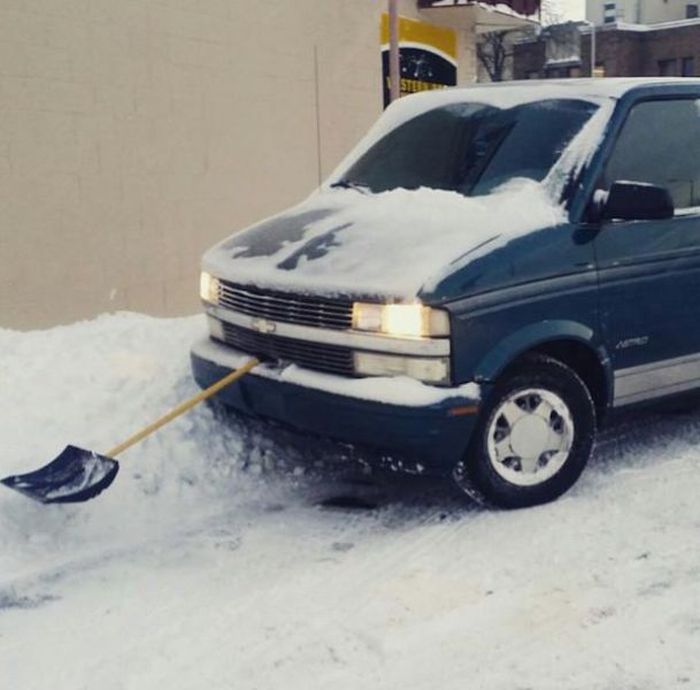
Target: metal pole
592, 49
394, 69
317, 96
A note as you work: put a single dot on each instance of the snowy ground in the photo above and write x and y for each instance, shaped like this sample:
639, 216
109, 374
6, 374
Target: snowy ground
210, 563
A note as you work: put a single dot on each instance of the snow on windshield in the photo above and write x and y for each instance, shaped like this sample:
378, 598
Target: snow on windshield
498, 96
580, 151
470, 148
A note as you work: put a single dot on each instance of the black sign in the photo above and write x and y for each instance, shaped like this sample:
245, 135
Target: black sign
421, 70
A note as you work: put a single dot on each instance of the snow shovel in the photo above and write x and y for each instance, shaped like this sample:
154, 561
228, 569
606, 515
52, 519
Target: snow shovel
78, 475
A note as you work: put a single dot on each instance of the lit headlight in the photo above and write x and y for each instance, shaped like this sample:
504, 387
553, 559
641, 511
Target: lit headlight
414, 320
209, 288
428, 369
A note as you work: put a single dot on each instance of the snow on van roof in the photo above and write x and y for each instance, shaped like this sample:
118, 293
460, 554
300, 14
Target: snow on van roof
511, 94
504, 94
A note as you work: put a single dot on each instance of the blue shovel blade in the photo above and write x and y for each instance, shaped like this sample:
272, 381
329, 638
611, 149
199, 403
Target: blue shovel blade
74, 476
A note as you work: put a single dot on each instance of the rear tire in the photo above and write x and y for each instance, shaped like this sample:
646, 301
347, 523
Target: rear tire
534, 436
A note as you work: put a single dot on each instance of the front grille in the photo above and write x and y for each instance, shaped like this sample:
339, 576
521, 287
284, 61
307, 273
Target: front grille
328, 358
279, 306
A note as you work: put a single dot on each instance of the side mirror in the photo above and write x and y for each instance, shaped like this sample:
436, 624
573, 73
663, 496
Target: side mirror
634, 201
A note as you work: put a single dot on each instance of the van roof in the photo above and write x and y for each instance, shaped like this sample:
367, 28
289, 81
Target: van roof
515, 93
614, 87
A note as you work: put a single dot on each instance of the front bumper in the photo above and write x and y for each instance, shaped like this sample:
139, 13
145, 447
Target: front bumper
427, 426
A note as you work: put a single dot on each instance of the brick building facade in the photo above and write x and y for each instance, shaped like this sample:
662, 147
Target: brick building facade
622, 50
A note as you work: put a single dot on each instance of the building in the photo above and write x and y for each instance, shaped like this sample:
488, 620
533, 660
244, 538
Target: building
136, 133
639, 11
622, 50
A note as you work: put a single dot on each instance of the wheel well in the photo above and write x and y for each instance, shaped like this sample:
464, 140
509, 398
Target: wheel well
584, 361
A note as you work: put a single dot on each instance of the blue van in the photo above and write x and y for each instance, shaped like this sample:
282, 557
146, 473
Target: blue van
488, 273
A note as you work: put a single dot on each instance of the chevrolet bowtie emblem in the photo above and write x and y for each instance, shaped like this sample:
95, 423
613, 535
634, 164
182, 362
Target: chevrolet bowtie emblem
263, 326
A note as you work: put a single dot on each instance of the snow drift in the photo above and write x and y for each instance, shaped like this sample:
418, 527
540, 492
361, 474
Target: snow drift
192, 573
93, 384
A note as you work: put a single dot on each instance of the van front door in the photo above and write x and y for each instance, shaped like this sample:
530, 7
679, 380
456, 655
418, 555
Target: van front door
649, 271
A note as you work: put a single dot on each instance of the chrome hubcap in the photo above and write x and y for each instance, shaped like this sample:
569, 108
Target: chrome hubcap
529, 436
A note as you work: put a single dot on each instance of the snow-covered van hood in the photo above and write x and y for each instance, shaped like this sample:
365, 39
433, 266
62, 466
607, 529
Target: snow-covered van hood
389, 245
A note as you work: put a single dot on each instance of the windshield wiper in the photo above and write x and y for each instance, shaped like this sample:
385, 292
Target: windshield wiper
352, 184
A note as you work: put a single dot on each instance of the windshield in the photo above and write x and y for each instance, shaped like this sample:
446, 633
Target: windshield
471, 148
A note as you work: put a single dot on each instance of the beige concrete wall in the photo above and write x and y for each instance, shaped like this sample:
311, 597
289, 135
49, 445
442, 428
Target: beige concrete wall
136, 133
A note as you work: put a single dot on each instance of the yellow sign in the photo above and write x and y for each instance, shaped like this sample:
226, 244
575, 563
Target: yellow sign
428, 35
427, 56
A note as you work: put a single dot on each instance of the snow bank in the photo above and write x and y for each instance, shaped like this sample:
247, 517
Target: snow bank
384, 245
171, 580
93, 384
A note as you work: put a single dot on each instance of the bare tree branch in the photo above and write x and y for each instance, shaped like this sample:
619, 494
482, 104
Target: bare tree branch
492, 53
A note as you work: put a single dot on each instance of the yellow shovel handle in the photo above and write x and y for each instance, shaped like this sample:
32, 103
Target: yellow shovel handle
184, 407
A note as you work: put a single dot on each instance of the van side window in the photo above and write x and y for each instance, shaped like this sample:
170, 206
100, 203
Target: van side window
660, 144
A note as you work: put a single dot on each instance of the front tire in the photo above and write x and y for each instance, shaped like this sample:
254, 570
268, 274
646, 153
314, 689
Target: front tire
534, 436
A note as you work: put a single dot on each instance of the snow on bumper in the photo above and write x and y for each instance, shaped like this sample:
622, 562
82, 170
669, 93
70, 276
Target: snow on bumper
427, 424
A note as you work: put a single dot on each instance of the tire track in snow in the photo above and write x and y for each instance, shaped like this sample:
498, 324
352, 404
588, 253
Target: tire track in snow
352, 602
